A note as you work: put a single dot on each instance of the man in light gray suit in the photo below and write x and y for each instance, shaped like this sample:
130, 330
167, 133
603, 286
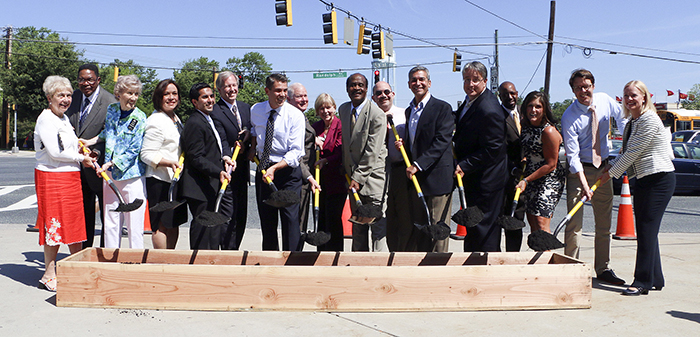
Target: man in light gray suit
364, 154
87, 115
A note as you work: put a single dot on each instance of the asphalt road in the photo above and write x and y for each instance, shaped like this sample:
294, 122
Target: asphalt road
18, 201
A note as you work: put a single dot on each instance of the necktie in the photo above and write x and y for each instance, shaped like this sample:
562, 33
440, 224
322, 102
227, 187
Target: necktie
596, 139
234, 110
354, 116
83, 113
516, 118
269, 134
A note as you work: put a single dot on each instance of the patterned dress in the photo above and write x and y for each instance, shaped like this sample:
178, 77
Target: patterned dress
543, 194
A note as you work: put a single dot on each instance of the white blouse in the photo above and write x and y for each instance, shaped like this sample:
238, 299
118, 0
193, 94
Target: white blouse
56, 144
160, 140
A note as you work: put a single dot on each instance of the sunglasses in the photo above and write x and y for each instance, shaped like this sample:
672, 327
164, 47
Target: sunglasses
385, 92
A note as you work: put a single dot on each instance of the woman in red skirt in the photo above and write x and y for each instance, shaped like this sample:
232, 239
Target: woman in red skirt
57, 179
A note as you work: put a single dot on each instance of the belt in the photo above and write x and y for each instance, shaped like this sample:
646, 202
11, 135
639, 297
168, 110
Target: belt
602, 163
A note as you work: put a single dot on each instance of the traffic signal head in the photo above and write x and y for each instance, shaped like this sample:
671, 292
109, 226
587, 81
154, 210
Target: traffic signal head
378, 49
457, 62
363, 41
330, 28
240, 81
376, 76
284, 12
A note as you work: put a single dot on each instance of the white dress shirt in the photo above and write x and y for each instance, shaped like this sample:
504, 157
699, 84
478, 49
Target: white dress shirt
288, 140
400, 124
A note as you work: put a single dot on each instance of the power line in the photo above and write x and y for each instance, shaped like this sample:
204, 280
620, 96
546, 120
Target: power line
628, 46
504, 19
378, 26
535, 72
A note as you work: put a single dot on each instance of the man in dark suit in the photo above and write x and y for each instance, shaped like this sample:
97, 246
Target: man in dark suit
87, 114
206, 161
509, 101
428, 139
480, 149
299, 98
232, 120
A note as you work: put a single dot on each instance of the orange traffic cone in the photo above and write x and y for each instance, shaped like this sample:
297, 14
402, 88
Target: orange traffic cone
460, 234
347, 225
147, 221
625, 215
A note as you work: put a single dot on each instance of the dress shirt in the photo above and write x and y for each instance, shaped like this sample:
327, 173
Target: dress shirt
468, 105
53, 155
92, 98
400, 124
576, 126
358, 108
416, 111
213, 128
288, 140
237, 114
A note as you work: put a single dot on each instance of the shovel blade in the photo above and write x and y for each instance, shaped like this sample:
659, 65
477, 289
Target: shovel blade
130, 207
211, 219
165, 206
540, 241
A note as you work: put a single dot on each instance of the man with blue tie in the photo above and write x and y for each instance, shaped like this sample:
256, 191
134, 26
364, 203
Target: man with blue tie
87, 114
278, 140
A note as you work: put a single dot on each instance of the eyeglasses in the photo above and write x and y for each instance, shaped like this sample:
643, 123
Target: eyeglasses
385, 92
585, 87
87, 80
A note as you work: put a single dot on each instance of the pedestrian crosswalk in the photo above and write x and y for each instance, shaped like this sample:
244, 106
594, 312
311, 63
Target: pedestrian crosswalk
27, 202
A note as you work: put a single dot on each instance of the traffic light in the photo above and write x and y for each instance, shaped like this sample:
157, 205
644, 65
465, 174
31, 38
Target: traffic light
376, 76
378, 50
456, 62
284, 12
363, 41
240, 81
330, 28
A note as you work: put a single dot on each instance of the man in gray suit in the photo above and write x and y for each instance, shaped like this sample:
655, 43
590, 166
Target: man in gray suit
364, 154
87, 115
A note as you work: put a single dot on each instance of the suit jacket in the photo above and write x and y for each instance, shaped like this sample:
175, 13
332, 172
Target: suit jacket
513, 147
479, 142
92, 126
309, 158
364, 152
203, 163
431, 149
227, 125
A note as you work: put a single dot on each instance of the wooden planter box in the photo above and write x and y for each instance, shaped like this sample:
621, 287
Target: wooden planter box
327, 281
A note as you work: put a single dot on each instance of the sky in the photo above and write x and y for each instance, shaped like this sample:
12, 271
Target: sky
665, 29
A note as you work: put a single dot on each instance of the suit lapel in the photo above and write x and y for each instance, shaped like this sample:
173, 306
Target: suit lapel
91, 117
359, 123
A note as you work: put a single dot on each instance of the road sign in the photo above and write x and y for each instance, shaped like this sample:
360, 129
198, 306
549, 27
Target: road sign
336, 74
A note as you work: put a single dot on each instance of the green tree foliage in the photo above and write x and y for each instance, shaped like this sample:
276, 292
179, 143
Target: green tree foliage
693, 93
147, 76
32, 60
254, 70
193, 72
311, 115
558, 108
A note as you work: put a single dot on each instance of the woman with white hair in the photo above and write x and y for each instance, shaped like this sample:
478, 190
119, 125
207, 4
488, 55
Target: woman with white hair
123, 135
60, 217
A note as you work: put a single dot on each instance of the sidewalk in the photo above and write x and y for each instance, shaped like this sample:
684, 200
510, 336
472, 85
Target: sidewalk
675, 311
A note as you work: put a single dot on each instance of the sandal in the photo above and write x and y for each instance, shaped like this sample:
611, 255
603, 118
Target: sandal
47, 284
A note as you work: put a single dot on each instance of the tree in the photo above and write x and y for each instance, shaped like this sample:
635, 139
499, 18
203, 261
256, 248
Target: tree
33, 59
558, 108
192, 72
147, 76
693, 93
254, 70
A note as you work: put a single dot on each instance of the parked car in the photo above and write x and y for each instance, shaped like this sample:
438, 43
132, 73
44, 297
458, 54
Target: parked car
686, 162
686, 136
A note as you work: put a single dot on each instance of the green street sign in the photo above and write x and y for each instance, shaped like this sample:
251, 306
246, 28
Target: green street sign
337, 74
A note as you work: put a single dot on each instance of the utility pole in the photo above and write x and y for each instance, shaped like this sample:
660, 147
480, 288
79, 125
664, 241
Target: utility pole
5, 141
550, 40
494, 69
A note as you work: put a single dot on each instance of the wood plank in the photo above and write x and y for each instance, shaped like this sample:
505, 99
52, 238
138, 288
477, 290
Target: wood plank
219, 281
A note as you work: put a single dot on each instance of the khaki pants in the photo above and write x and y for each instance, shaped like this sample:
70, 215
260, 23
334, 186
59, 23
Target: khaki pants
440, 210
602, 211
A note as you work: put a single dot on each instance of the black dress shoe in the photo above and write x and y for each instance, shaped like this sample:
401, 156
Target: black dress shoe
657, 288
635, 291
609, 276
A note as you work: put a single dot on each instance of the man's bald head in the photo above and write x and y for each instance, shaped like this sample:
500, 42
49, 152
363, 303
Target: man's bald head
383, 95
508, 95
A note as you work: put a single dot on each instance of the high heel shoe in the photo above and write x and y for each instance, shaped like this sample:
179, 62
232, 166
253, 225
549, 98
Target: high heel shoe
635, 291
46, 285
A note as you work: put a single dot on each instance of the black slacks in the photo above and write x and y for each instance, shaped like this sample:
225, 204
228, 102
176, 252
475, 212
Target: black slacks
485, 236
651, 196
287, 178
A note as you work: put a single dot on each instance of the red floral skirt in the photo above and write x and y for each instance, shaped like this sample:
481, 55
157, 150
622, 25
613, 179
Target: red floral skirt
59, 197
